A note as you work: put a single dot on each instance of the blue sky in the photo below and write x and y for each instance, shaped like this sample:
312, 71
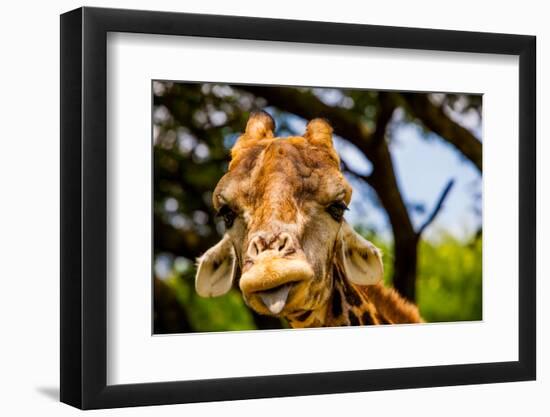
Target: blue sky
424, 163
424, 167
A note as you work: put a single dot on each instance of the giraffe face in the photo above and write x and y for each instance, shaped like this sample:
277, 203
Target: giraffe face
282, 201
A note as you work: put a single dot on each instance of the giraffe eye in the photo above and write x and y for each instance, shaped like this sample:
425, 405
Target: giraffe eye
336, 210
227, 215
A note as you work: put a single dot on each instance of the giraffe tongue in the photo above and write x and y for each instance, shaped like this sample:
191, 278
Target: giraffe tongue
275, 300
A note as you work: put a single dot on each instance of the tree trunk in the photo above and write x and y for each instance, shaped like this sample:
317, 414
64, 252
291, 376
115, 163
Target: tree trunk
404, 276
435, 119
384, 182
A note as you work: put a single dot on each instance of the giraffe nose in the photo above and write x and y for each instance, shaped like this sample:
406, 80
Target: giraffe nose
279, 244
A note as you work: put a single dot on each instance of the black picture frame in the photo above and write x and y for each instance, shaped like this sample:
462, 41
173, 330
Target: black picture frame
84, 207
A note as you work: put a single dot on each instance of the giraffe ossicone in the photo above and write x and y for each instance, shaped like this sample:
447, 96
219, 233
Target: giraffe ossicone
287, 246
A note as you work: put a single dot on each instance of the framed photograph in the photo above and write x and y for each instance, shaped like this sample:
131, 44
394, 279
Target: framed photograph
259, 208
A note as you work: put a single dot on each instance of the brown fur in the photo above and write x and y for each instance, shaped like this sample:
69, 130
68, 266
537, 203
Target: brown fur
279, 190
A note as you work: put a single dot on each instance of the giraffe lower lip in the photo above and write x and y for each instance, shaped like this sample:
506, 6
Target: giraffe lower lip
275, 299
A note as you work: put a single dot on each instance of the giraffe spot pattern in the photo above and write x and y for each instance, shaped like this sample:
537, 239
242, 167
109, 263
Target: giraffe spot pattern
353, 320
336, 304
351, 295
367, 318
382, 319
304, 316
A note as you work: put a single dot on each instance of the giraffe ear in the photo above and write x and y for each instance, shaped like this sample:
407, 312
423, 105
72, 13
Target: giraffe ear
362, 260
216, 270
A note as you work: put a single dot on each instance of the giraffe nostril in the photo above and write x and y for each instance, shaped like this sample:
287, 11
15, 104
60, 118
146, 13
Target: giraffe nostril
285, 245
255, 248
280, 244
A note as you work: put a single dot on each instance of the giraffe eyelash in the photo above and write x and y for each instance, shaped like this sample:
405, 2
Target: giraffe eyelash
337, 209
227, 214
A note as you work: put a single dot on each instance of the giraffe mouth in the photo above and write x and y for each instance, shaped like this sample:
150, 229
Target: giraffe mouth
267, 285
275, 299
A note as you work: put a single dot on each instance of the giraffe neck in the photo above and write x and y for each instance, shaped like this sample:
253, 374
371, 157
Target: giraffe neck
347, 305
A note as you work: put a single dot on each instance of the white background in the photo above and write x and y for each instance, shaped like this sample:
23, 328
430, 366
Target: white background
29, 223
134, 356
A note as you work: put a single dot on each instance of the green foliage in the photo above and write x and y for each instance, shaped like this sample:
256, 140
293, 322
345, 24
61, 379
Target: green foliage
449, 285
449, 282
210, 314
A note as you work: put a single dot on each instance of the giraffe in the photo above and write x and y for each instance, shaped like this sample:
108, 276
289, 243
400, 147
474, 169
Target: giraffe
287, 246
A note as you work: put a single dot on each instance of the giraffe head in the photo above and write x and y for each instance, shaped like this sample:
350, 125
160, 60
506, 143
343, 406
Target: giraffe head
282, 201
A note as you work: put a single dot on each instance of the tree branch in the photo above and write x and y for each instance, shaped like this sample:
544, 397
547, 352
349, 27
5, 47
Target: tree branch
306, 105
346, 168
437, 207
435, 119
